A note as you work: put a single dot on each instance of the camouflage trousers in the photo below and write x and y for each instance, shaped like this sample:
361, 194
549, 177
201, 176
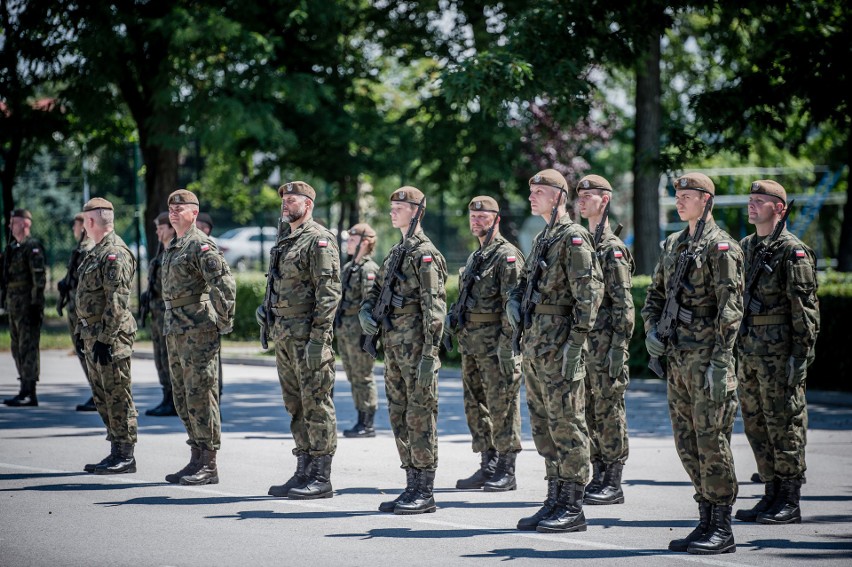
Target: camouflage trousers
702, 428
557, 416
413, 409
161, 351
307, 397
26, 336
492, 403
774, 415
357, 364
606, 415
72, 325
111, 390
194, 364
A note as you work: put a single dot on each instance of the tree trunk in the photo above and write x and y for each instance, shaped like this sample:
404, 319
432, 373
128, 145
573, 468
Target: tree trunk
7, 179
844, 256
646, 159
161, 177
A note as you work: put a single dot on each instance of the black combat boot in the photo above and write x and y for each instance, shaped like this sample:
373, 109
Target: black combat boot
769, 495
364, 427
410, 486
191, 468
166, 407
26, 396
421, 500
568, 515
488, 463
785, 509
530, 523
598, 470
207, 474
123, 462
299, 478
705, 509
318, 484
88, 405
610, 491
503, 479
106, 461
719, 537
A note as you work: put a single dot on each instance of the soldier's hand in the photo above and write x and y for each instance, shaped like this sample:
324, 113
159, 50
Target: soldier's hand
513, 312
797, 369
63, 287
717, 381
79, 346
448, 328
260, 315
616, 359
506, 358
313, 354
102, 353
571, 357
653, 343
426, 371
368, 324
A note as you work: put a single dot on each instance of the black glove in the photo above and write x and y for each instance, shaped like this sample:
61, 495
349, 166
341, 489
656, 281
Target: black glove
63, 287
79, 346
102, 353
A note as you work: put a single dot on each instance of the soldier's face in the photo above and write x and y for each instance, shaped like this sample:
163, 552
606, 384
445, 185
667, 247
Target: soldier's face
480, 222
763, 208
689, 204
293, 207
352, 243
590, 202
20, 227
182, 216
401, 214
78, 229
165, 233
543, 199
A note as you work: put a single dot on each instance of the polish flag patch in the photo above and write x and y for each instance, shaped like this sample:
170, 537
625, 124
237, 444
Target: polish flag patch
322, 243
511, 259
800, 253
618, 254
427, 259
111, 257
371, 276
36, 250
576, 240
723, 246
205, 247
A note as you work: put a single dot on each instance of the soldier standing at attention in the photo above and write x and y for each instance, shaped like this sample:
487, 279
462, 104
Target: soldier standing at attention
23, 291
359, 273
199, 295
154, 296
204, 222
306, 290
701, 378
67, 287
776, 345
491, 373
564, 285
412, 334
105, 331
606, 349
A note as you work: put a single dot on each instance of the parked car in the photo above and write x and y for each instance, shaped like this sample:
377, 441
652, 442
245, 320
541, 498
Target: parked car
242, 246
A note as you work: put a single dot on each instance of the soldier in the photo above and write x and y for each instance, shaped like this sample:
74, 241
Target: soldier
491, 373
67, 287
776, 346
153, 297
606, 349
556, 300
306, 288
204, 222
23, 294
701, 381
411, 336
199, 295
359, 273
105, 331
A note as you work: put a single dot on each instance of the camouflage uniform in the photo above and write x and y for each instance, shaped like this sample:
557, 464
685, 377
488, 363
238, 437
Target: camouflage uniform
158, 321
357, 280
103, 298
774, 412
306, 291
571, 290
71, 308
702, 427
413, 410
605, 412
199, 294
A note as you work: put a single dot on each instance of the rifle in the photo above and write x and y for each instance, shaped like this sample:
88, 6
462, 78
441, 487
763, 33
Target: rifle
69, 282
759, 265
677, 283
457, 317
271, 274
145, 303
531, 296
347, 273
382, 309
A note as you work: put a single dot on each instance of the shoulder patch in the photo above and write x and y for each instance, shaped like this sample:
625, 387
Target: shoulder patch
723, 246
205, 247
426, 259
36, 250
371, 276
576, 240
799, 253
322, 243
112, 257
511, 259
618, 254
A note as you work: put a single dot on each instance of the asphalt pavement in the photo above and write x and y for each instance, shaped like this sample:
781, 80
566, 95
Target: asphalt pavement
51, 513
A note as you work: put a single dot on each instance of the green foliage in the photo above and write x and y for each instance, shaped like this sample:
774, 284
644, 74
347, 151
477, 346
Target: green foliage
251, 288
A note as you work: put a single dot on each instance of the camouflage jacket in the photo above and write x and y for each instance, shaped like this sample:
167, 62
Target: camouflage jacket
572, 279
192, 267
357, 279
789, 291
616, 314
24, 278
424, 279
307, 274
103, 290
499, 272
155, 268
715, 286
83, 248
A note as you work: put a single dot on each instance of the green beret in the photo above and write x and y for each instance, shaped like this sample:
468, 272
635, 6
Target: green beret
183, 197
97, 204
769, 187
696, 181
594, 182
205, 218
79, 217
22, 214
408, 194
549, 177
162, 218
485, 204
363, 230
297, 188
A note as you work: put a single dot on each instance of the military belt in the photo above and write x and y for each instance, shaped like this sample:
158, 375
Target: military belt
87, 321
687, 314
553, 309
760, 320
406, 309
483, 317
185, 300
17, 285
300, 309
351, 311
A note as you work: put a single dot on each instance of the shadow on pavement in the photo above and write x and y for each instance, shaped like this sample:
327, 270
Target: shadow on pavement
270, 515
529, 553
804, 549
408, 533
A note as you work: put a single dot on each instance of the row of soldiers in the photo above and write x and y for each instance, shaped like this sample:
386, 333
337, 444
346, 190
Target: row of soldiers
561, 320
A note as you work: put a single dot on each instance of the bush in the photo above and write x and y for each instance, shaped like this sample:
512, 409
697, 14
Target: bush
251, 288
